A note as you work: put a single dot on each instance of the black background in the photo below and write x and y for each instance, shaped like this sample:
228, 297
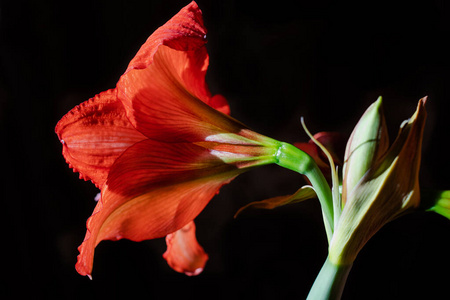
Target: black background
275, 62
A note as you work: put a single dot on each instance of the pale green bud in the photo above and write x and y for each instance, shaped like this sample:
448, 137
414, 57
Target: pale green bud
388, 189
368, 141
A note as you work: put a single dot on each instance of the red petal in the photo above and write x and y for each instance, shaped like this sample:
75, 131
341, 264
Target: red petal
163, 100
314, 151
94, 134
184, 254
220, 103
164, 88
334, 142
153, 189
185, 31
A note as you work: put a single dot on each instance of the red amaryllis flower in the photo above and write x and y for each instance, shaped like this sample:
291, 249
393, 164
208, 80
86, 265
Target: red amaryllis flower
159, 146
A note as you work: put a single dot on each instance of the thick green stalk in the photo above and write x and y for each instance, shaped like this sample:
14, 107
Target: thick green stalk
324, 195
292, 158
330, 282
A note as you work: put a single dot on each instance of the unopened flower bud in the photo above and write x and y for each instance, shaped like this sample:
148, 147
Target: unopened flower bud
388, 188
368, 141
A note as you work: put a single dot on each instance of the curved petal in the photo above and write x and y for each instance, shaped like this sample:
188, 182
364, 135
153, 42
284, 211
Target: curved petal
304, 193
184, 254
220, 103
94, 134
164, 88
162, 100
153, 189
185, 31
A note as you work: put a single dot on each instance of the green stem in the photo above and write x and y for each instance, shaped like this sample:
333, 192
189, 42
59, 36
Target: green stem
330, 282
293, 158
324, 195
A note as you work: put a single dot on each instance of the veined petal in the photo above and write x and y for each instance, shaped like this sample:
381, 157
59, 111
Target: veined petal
94, 134
163, 100
164, 89
184, 254
304, 193
184, 31
153, 189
